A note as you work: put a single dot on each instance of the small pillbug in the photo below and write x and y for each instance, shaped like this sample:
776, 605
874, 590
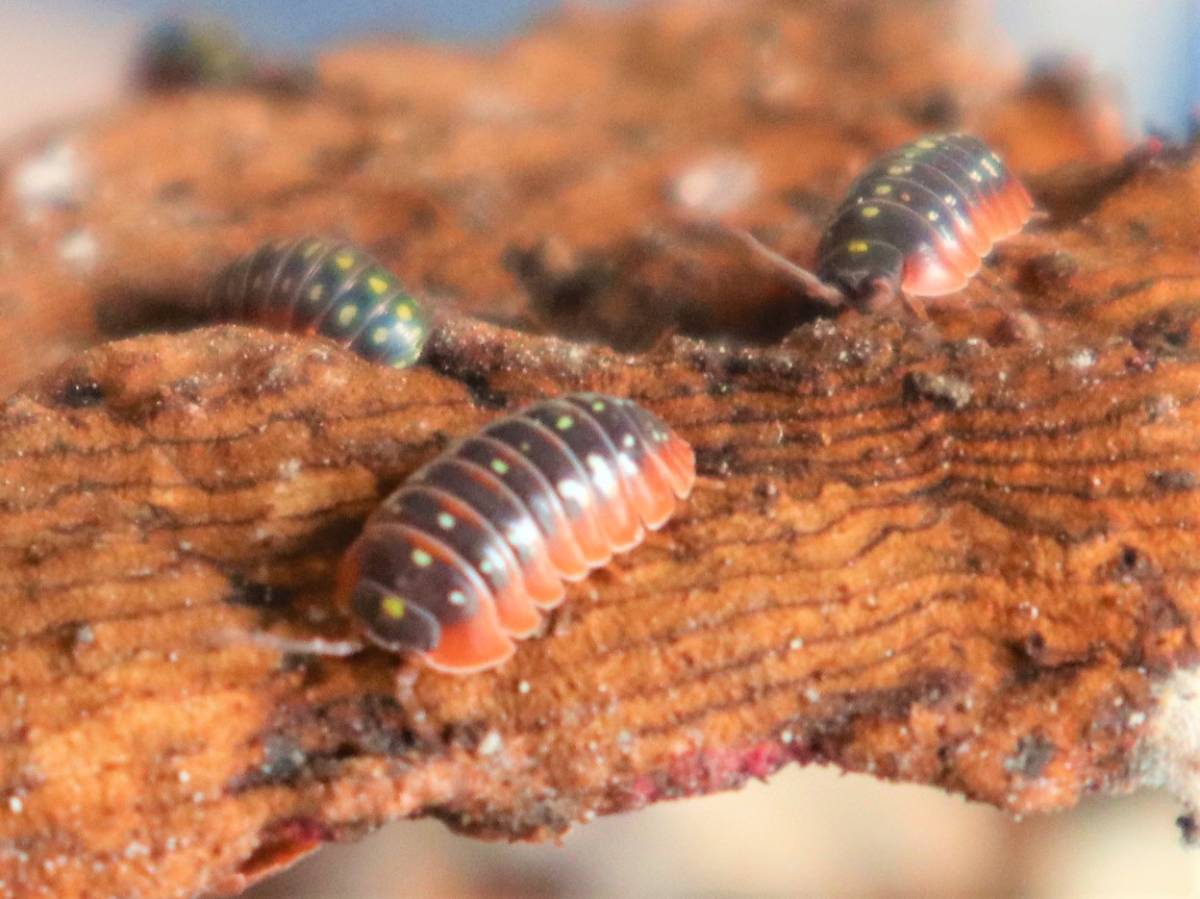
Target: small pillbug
190, 52
319, 286
464, 554
200, 53
917, 222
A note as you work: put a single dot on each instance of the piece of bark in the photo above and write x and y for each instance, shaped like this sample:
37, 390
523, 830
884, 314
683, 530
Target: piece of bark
982, 597
958, 555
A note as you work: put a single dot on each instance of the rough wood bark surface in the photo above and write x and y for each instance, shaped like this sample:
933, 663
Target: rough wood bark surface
960, 556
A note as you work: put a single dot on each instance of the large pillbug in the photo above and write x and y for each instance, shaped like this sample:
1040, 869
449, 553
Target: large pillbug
464, 554
917, 222
319, 286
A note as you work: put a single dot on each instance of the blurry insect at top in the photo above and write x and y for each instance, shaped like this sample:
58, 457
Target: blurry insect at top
316, 285
192, 53
921, 218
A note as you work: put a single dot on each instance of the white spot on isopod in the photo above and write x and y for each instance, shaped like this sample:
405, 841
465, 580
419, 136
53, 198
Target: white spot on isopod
602, 475
570, 489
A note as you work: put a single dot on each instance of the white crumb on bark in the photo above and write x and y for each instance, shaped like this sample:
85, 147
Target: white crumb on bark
1168, 755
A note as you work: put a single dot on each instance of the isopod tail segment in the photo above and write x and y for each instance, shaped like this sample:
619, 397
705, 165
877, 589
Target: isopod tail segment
916, 223
317, 285
470, 551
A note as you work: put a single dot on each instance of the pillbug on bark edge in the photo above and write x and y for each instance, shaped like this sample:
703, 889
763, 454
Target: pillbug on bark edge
917, 222
315, 285
465, 554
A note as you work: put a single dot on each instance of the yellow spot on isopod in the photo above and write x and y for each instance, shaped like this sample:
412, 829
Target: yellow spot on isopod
932, 216
950, 200
991, 169
883, 190
392, 606
975, 176
445, 521
421, 558
899, 169
564, 423
598, 406
499, 466
403, 311
315, 292
858, 246
346, 315
379, 336
926, 144
869, 212
343, 260
377, 284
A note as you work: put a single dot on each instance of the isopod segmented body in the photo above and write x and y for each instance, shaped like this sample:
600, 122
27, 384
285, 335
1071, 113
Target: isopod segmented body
918, 221
192, 53
922, 218
198, 53
319, 286
462, 557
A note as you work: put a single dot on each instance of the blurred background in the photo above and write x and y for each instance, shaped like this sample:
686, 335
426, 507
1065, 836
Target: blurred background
71, 55
809, 831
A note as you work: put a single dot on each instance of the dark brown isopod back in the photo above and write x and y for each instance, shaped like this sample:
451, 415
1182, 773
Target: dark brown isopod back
917, 222
316, 285
462, 557
921, 218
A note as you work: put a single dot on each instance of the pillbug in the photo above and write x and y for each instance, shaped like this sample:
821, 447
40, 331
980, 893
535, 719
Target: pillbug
916, 223
201, 53
319, 286
465, 554
192, 52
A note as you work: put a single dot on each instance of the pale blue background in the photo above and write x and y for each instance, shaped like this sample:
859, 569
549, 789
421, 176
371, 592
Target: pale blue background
308, 23
1151, 47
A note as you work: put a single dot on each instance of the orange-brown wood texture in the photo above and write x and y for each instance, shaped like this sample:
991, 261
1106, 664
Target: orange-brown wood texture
958, 553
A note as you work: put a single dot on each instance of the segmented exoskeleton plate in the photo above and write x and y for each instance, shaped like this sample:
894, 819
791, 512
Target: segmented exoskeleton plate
318, 286
461, 558
922, 217
917, 223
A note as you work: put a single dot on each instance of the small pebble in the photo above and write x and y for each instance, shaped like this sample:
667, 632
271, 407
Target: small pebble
51, 178
716, 186
79, 250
